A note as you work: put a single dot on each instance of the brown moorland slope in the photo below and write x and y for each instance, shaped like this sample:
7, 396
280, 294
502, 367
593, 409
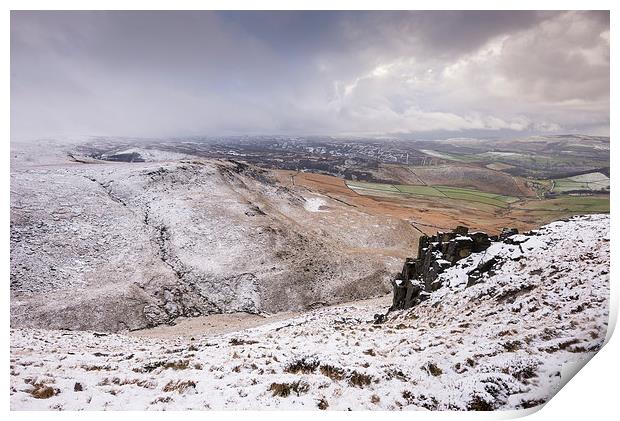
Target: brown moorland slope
429, 214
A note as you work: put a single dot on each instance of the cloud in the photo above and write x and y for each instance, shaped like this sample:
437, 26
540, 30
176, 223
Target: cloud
179, 73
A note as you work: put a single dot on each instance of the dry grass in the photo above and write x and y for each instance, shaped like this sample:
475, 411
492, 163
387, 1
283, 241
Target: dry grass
334, 373
398, 374
98, 367
175, 365
118, 382
42, 391
179, 386
304, 365
477, 403
423, 401
162, 399
512, 346
432, 369
360, 379
235, 341
285, 389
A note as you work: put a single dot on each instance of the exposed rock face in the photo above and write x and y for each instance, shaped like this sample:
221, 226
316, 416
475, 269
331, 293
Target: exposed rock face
420, 276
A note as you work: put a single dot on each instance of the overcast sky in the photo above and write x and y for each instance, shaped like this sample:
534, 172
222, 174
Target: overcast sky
420, 74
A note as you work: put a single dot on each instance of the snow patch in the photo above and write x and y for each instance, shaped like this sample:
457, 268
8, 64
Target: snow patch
314, 204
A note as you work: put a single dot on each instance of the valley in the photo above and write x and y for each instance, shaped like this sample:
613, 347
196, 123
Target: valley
168, 262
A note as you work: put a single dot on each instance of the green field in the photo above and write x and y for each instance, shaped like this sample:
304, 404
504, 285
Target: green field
476, 193
566, 185
571, 204
419, 190
563, 205
456, 193
472, 195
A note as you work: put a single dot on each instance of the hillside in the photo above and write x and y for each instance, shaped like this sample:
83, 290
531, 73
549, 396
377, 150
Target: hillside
507, 342
123, 246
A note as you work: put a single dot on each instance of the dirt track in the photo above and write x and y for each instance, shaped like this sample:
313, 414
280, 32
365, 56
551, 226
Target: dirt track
217, 324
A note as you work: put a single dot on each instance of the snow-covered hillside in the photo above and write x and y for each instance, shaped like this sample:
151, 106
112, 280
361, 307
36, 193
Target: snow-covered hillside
505, 342
117, 246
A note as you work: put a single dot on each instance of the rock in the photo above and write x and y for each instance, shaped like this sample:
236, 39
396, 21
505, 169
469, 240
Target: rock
413, 290
460, 230
379, 319
409, 269
516, 239
423, 296
436, 284
77, 387
423, 243
420, 276
481, 241
507, 232
474, 276
459, 248
399, 294
405, 293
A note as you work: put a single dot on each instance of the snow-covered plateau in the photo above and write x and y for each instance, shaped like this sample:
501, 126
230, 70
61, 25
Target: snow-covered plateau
506, 342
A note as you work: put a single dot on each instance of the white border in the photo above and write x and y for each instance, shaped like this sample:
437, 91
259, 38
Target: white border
593, 393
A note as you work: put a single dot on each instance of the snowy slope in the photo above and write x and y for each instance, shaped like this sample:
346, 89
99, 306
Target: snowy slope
503, 343
118, 246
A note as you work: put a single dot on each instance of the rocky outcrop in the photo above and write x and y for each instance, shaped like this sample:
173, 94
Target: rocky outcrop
420, 276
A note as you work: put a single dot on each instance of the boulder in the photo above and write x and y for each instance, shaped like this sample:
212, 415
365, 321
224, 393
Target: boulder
507, 232
379, 319
460, 230
481, 241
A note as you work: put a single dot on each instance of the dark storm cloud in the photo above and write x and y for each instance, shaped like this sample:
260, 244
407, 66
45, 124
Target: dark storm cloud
174, 73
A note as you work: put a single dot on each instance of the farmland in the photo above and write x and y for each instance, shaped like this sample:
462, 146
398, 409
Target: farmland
594, 181
457, 193
538, 156
493, 205
569, 205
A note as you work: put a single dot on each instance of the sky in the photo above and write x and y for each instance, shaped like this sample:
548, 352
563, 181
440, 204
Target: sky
414, 74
